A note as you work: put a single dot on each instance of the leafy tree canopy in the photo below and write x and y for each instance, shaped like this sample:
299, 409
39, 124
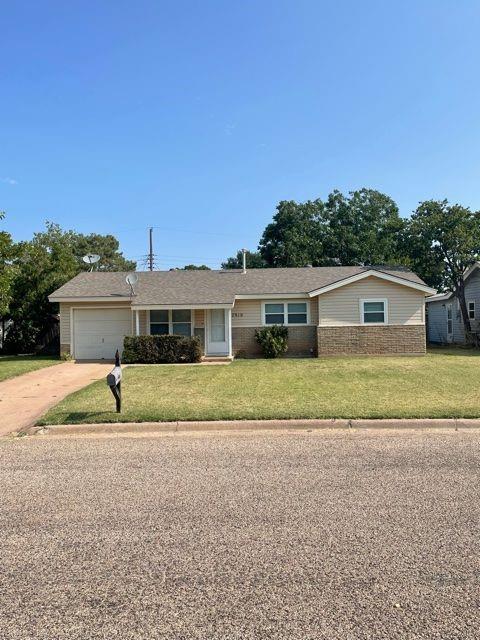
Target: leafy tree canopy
443, 240
295, 236
7, 270
45, 263
361, 228
254, 261
195, 267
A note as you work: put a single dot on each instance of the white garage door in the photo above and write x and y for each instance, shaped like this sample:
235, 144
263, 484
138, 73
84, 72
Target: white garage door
98, 333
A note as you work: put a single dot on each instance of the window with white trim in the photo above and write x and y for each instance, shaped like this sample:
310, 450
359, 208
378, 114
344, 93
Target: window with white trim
471, 309
289, 313
176, 322
373, 311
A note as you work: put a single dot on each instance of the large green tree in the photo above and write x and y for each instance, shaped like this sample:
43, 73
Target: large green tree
295, 236
43, 264
7, 269
361, 228
443, 240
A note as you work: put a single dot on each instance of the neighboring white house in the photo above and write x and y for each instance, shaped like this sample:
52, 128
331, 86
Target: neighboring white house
328, 310
444, 317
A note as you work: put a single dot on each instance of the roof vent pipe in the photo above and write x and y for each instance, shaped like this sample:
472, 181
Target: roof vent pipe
244, 260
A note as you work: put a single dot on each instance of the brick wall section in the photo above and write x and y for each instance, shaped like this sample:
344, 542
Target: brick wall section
407, 339
64, 349
300, 341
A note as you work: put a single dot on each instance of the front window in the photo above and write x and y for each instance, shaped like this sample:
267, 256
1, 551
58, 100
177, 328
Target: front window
274, 313
297, 312
181, 322
374, 311
471, 309
176, 322
286, 313
159, 323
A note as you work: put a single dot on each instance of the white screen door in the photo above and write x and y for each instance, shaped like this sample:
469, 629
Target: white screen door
217, 332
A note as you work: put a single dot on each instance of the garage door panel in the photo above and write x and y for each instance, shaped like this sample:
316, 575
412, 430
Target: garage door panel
98, 333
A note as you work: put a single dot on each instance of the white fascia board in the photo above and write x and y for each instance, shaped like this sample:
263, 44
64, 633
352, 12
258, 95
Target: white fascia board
376, 274
89, 299
164, 307
439, 297
271, 296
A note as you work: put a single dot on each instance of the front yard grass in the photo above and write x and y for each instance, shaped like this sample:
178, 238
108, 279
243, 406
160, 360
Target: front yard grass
443, 384
11, 366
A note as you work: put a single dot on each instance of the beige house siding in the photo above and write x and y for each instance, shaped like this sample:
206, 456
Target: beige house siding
199, 318
248, 313
341, 307
143, 316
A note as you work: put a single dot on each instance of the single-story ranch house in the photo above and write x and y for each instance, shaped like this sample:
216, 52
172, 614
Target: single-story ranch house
328, 310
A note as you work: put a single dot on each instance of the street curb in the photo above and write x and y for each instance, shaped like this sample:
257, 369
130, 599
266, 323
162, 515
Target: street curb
253, 425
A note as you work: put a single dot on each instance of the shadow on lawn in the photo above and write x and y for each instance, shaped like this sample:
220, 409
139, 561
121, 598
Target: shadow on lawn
88, 417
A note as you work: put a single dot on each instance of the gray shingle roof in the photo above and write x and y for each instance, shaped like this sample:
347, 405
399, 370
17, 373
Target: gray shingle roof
212, 287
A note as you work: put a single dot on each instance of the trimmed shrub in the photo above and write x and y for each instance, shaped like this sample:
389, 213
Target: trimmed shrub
161, 349
273, 340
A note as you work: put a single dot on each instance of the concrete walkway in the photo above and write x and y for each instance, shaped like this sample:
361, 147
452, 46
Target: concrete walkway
25, 398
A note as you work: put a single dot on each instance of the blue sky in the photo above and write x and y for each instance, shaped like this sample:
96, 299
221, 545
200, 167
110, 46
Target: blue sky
198, 117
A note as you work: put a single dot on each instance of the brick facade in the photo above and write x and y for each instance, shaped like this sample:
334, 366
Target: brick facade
301, 341
64, 349
374, 340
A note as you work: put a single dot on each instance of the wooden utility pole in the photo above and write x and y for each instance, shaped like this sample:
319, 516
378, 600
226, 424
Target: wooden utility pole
150, 253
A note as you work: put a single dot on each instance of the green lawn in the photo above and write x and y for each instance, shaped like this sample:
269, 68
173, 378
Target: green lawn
11, 366
445, 383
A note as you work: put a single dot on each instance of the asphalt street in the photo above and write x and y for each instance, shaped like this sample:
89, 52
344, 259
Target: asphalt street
300, 535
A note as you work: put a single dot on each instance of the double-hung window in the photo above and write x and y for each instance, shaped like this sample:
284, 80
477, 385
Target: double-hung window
471, 309
285, 313
159, 323
181, 322
176, 322
373, 311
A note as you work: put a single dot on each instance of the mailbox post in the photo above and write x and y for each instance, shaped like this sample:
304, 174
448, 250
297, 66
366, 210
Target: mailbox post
114, 381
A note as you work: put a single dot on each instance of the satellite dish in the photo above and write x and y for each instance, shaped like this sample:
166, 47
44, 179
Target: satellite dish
91, 258
131, 280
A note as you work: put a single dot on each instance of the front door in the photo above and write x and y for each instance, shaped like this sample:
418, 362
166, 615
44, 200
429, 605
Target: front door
449, 323
217, 338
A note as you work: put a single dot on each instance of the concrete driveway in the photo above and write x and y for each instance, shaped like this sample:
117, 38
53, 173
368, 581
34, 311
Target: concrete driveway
25, 398
328, 535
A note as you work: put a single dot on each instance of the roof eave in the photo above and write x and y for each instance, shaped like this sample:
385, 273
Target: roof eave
54, 298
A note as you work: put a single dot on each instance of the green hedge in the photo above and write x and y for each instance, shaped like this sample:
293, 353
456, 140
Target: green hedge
161, 349
273, 340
